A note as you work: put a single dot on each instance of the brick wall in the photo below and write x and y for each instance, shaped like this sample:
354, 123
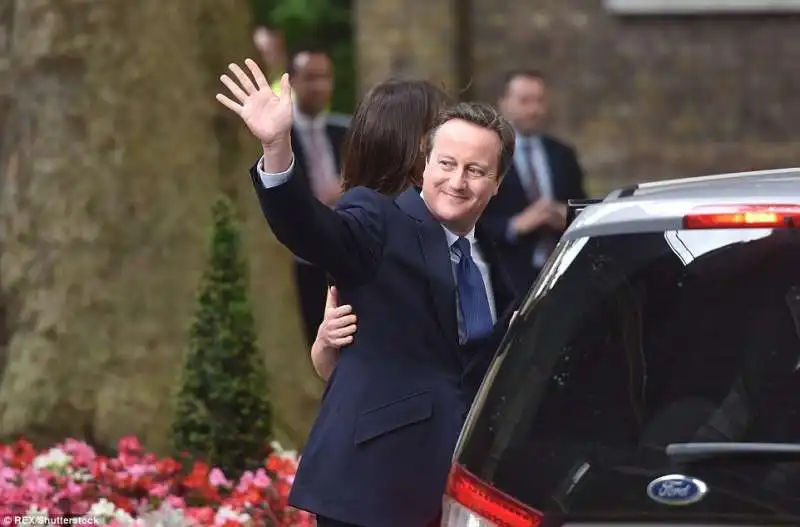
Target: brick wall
414, 37
642, 98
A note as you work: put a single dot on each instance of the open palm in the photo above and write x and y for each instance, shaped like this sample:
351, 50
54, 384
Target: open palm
268, 116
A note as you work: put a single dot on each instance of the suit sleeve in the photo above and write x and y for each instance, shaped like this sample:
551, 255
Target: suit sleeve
346, 242
577, 190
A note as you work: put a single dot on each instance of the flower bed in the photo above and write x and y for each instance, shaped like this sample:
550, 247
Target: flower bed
138, 489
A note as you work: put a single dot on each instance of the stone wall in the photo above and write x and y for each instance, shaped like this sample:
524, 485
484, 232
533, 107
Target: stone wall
642, 98
401, 37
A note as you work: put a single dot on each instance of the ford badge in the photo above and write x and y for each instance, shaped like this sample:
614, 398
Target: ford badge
676, 490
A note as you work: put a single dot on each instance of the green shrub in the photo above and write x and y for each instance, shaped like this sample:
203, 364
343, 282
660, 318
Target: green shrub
223, 414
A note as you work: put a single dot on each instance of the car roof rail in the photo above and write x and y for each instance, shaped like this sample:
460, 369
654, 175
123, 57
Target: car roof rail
576, 206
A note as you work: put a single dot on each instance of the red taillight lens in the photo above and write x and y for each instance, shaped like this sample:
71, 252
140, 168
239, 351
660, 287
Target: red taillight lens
743, 216
488, 502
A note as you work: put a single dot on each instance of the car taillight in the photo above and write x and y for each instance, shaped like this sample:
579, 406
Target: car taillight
469, 502
743, 216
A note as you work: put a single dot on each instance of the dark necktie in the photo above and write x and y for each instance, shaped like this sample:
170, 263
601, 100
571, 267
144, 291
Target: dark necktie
532, 186
473, 301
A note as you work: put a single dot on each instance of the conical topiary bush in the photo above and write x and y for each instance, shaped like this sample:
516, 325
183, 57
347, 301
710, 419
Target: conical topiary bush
223, 414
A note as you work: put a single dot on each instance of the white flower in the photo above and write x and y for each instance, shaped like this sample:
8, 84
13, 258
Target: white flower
123, 517
165, 516
102, 512
80, 475
54, 459
282, 452
34, 511
225, 513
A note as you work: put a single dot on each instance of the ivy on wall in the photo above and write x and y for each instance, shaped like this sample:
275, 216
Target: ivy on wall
328, 22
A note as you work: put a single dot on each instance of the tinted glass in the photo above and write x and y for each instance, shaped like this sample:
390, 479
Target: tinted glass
632, 342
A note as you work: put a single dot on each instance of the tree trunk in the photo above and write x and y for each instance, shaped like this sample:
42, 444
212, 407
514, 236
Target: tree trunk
113, 150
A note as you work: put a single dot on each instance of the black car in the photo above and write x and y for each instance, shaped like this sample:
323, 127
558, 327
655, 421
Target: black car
652, 375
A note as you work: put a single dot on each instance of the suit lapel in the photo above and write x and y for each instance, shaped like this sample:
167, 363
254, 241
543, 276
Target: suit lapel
437, 261
556, 163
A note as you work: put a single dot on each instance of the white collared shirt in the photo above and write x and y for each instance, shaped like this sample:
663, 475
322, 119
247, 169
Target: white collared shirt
306, 125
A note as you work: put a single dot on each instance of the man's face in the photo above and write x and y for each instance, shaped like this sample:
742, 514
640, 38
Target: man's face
461, 174
312, 82
524, 104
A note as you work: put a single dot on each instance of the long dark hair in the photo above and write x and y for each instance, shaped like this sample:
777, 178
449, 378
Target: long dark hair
383, 149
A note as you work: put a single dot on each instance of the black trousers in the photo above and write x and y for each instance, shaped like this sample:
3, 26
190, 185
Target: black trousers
322, 521
312, 287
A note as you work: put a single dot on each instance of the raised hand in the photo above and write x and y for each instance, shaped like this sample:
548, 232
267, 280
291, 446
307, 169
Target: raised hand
268, 116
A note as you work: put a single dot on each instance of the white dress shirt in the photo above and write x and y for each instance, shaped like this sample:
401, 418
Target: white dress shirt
305, 126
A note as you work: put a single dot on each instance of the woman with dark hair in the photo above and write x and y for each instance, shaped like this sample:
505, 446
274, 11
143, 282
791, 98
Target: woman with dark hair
383, 151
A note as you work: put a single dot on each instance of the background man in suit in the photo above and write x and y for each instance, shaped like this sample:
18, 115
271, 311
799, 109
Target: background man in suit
528, 215
430, 297
317, 137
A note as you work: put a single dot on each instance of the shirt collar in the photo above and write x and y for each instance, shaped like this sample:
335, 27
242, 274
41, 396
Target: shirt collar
306, 122
529, 139
451, 236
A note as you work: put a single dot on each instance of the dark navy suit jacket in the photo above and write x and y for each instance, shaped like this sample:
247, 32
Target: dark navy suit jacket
380, 449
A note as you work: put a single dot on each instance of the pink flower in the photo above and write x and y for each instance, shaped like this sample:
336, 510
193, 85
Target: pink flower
129, 444
175, 502
159, 490
217, 478
261, 479
245, 482
139, 482
82, 454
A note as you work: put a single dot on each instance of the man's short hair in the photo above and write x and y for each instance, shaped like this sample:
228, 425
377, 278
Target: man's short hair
485, 116
525, 73
310, 48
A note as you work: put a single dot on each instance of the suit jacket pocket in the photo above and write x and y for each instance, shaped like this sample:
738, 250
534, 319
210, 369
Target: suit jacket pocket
390, 417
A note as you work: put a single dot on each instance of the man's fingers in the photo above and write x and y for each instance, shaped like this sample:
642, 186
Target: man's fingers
258, 75
226, 101
244, 80
234, 88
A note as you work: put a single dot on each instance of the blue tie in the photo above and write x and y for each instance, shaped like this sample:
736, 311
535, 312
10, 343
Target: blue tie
473, 302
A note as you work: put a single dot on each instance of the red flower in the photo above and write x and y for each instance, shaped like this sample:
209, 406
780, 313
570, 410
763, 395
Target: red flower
129, 445
167, 466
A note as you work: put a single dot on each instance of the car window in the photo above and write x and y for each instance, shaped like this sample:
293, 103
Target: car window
645, 340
